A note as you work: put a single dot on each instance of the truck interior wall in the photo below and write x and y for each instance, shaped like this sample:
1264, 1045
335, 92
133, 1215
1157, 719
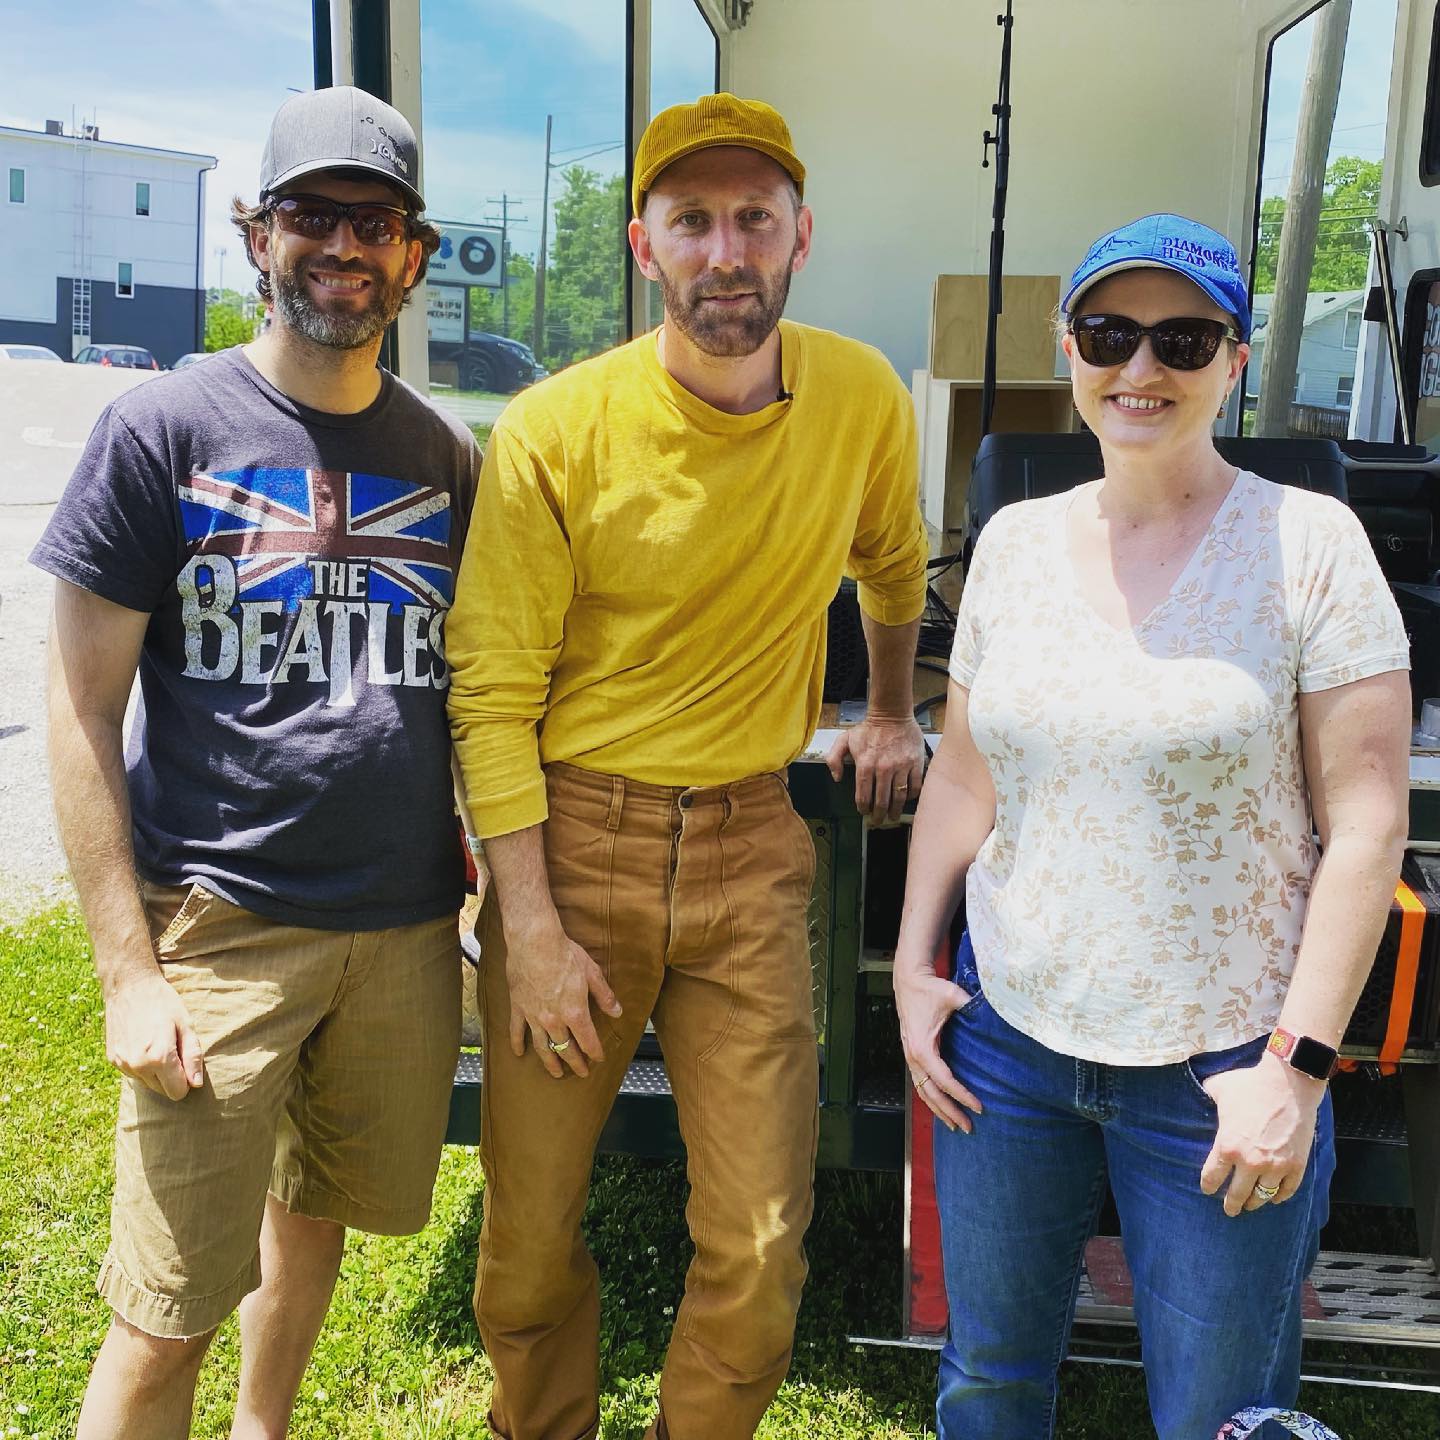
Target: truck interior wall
888, 103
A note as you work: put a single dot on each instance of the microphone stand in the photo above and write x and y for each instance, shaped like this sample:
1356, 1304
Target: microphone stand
1000, 139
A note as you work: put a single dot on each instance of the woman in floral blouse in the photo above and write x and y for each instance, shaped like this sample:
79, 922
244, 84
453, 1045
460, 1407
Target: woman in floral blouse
1163, 682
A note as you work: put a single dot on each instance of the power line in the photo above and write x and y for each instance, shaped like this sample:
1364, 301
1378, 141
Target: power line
576, 159
608, 144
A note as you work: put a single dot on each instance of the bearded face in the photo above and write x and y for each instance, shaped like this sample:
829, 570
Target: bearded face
315, 295
731, 314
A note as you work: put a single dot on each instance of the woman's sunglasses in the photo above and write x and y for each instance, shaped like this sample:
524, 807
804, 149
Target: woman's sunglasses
313, 217
1185, 343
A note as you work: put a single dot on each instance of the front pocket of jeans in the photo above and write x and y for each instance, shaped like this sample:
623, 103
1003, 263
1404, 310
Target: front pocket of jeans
1220, 1062
976, 1000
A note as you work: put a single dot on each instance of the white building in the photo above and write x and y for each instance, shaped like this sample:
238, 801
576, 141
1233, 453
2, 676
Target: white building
1329, 347
100, 242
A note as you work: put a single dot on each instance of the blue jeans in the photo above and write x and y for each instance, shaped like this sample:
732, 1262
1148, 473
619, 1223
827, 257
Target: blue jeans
1217, 1300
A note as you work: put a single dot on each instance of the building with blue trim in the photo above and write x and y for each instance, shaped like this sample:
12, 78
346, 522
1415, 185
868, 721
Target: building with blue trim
101, 243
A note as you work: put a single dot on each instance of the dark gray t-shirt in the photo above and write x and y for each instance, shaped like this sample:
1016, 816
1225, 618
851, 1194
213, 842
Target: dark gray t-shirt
291, 748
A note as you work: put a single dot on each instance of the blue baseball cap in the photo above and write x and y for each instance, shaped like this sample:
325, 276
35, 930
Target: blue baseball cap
1168, 242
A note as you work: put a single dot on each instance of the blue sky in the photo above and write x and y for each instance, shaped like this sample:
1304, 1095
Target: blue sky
1364, 90
206, 75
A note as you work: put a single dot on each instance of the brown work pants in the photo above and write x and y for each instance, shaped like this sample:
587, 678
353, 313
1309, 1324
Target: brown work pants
693, 902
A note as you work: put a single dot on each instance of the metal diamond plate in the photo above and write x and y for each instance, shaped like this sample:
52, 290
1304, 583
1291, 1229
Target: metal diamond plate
644, 1077
1392, 1299
882, 1091
821, 909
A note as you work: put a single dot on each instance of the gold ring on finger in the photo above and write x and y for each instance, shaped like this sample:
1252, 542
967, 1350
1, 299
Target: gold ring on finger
920, 1082
559, 1049
1266, 1192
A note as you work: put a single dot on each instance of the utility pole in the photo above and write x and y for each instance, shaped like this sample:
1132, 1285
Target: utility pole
544, 242
504, 203
1296, 257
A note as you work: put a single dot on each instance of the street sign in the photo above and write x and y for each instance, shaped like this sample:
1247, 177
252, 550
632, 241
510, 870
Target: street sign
445, 307
467, 256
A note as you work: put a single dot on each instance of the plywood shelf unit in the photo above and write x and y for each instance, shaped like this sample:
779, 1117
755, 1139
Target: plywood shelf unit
1032, 386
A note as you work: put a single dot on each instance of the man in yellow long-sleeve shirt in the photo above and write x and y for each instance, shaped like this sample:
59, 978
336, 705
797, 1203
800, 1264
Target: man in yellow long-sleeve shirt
637, 649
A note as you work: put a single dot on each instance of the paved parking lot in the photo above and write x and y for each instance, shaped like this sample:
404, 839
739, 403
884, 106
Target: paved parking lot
46, 411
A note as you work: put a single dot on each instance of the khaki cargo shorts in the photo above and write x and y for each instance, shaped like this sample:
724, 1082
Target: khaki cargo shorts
329, 1058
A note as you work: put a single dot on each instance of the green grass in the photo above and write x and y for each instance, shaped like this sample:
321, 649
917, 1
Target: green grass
481, 432
448, 394
399, 1355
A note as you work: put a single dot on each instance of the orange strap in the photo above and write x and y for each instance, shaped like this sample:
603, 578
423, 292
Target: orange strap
1407, 973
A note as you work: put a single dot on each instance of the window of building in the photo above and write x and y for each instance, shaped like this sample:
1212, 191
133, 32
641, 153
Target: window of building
1344, 389
142, 197
125, 280
17, 185
684, 65
530, 276
684, 54
1321, 84
1352, 329
525, 124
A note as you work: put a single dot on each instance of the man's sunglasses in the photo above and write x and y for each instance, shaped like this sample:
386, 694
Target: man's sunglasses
313, 217
1185, 343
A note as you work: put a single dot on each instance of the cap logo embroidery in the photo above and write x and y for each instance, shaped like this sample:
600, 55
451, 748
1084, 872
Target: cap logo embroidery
1187, 251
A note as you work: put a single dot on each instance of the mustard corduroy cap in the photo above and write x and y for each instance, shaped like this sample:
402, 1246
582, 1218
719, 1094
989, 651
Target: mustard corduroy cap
712, 120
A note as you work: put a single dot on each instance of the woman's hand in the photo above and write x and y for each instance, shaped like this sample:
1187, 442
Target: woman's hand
1266, 1130
925, 1002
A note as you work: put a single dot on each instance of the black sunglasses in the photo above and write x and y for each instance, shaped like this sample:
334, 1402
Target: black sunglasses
313, 217
1184, 343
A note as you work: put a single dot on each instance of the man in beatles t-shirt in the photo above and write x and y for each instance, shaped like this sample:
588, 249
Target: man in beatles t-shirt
270, 874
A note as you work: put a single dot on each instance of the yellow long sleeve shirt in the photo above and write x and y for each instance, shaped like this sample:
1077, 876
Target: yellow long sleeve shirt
645, 580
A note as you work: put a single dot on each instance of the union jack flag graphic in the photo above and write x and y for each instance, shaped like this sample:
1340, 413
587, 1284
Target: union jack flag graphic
275, 523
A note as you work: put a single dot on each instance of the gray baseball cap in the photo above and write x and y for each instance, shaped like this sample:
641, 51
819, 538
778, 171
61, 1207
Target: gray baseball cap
340, 128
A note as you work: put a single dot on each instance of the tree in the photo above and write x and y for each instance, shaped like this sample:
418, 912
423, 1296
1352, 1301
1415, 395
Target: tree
585, 273
1342, 252
489, 309
584, 277
226, 326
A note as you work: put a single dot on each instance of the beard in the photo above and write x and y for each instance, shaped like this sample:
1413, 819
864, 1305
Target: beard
718, 332
351, 330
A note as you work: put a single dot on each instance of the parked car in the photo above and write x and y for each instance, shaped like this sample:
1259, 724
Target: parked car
124, 357
490, 362
191, 358
27, 352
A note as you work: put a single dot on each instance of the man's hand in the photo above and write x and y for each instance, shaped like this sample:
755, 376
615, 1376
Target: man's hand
552, 980
889, 756
148, 1036
1264, 1135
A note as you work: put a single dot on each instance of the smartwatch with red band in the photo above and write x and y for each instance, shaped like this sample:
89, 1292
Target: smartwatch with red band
1310, 1057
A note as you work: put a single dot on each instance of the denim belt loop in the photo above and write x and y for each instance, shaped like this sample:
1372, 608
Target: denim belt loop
617, 802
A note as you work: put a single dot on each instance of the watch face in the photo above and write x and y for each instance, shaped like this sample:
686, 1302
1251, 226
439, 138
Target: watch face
1312, 1058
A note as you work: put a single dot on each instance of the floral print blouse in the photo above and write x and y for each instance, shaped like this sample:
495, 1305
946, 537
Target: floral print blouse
1142, 895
